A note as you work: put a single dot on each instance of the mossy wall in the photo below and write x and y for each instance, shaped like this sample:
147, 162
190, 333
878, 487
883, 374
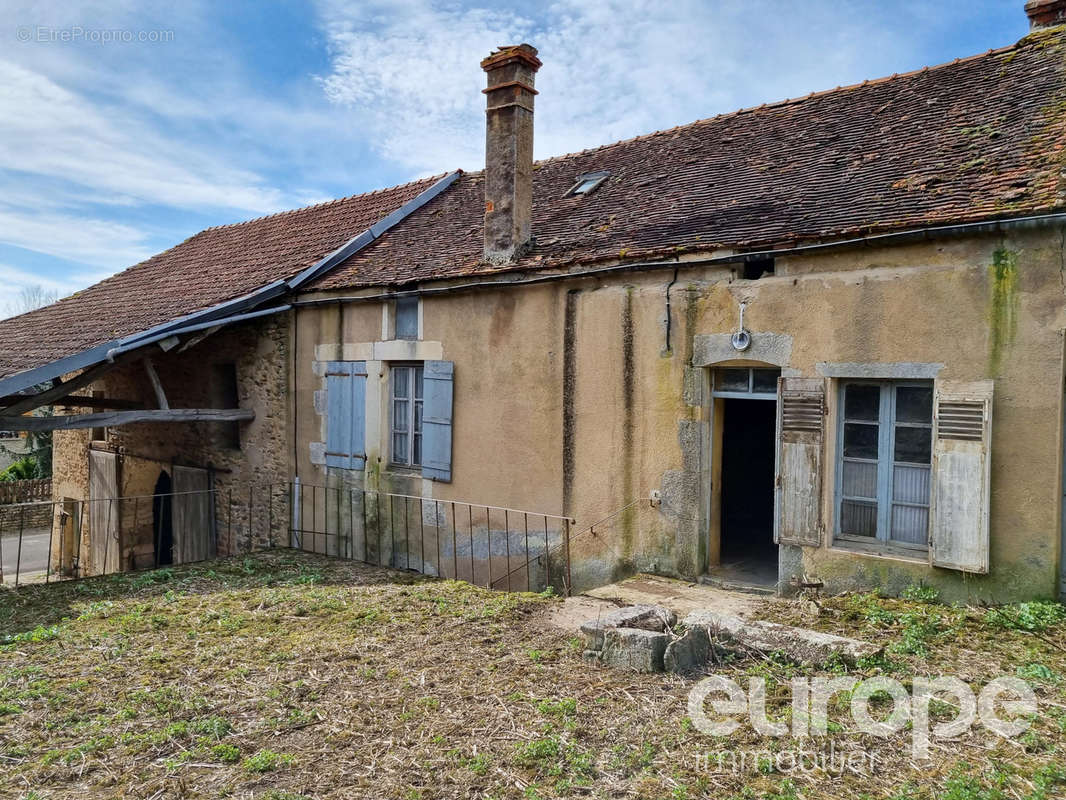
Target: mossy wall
567, 399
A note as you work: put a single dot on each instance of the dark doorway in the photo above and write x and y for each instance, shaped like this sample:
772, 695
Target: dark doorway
163, 520
748, 452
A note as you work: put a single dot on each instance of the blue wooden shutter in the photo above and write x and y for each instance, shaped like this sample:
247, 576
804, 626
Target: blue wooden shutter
345, 414
437, 420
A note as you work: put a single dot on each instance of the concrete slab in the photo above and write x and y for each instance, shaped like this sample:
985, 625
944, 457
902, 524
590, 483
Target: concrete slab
681, 597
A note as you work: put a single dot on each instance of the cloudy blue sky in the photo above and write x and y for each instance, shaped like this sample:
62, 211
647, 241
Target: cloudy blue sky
113, 150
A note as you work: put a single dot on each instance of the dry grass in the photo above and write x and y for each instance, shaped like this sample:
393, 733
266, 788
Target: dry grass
286, 676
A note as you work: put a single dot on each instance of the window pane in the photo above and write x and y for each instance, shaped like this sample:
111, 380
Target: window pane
859, 479
731, 380
399, 448
910, 524
914, 445
418, 382
400, 378
765, 380
418, 416
399, 415
416, 458
914, 404
407, 318
862, 401
858, 519
910, 485
860, 440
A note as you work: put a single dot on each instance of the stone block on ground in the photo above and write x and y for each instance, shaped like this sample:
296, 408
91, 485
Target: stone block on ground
643, 617
634, 649
801, 645
689, 652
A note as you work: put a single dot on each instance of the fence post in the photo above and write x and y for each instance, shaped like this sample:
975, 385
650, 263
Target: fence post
270, 516
295, 536
566, 555
51, 532
18, 557
455, 548
507, 543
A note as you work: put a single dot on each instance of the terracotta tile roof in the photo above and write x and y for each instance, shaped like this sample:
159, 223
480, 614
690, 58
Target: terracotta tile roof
974, 139
213, 266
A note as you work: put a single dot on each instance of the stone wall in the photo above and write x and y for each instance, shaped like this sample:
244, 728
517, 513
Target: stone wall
243, 474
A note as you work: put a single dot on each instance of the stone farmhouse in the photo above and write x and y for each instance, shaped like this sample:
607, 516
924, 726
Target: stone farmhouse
817, 342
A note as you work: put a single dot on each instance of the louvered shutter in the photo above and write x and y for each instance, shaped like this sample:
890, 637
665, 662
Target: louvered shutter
437, 383
345, 414
800, 431
962, 428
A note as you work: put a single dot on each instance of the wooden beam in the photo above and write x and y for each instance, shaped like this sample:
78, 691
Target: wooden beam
84, 401
115, 418
18, 404
199, 337
153, 376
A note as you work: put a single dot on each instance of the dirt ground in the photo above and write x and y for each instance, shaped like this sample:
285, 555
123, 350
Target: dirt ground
287, 676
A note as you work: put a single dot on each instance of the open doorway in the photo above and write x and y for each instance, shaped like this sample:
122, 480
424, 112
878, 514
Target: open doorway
163, 520
745, 415
748, 488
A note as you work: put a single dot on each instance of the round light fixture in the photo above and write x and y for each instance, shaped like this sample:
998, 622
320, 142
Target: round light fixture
741, 340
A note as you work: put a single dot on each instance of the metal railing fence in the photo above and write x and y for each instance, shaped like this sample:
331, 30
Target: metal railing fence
490, 546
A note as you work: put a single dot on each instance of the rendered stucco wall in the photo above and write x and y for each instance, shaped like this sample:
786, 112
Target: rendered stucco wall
567, 400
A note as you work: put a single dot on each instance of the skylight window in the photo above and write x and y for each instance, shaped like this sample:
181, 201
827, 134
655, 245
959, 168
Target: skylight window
588, 183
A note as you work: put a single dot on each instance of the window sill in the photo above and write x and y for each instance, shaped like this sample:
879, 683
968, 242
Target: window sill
880, 550
408, 472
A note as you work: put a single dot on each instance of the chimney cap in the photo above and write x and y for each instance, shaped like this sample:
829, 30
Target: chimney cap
509, 53
1045, 13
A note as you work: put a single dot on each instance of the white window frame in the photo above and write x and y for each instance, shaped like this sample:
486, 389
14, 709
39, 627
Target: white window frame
751, 393
885, 468
412, 416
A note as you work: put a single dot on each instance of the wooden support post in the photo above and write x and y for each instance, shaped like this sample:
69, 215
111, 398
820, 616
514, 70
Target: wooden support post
157, 386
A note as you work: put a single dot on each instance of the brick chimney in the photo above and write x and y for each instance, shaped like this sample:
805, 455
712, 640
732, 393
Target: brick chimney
509, 151
1045, 13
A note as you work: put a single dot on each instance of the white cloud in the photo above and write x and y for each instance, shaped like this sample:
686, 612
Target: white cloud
78, 238
46, 130
612, 68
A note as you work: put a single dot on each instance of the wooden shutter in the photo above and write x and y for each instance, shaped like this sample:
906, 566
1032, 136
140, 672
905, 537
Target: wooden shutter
437, 420
800, 432
345, 414
962, 427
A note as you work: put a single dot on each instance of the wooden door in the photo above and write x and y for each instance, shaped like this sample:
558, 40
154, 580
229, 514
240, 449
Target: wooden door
105, 511
194, 535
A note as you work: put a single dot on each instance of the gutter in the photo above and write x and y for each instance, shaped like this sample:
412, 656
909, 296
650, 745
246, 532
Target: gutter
878, 240
114, 352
